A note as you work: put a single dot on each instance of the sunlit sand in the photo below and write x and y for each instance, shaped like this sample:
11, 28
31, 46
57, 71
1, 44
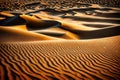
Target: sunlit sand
43, 41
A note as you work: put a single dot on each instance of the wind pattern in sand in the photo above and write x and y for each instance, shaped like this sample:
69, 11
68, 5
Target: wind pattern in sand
68, 44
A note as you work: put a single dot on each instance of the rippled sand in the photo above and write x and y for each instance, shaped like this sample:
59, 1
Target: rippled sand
67, 44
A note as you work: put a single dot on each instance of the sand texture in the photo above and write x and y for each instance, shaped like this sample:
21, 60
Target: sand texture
54, 4
60, 43
91, 59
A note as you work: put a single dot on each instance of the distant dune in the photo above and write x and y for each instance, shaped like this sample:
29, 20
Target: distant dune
58, 4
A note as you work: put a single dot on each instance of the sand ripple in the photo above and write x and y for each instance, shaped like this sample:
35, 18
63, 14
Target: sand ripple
90, 59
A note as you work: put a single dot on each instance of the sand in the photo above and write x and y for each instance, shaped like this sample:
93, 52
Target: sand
78, 43
55, 4
89, 59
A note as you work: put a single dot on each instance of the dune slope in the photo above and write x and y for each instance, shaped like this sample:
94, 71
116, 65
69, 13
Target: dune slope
90, 59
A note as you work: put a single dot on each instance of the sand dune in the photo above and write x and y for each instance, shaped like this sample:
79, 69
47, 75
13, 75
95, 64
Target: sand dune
89, 59
12, 35
36, 23
60, 43
84, 32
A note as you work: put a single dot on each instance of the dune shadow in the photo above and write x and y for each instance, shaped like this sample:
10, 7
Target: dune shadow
97, 25
110, 14
92, 19
15, 20
100, 33
43, 25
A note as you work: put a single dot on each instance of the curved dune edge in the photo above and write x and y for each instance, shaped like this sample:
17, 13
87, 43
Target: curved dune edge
65, 24
34, 23
73, 59
18, 27
69, 24
12, 34
21, 33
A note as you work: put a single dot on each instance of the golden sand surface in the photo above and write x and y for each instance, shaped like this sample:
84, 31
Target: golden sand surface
63, 60
68, 44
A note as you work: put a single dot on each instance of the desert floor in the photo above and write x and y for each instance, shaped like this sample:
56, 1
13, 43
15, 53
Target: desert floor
60, 40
